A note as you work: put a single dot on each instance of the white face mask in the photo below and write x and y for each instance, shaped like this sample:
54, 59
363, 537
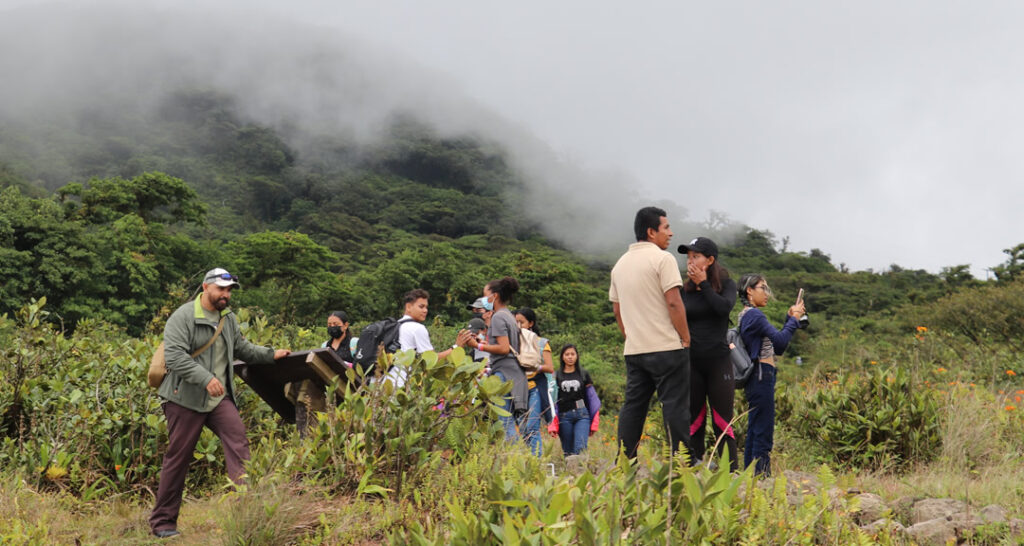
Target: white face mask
488, 304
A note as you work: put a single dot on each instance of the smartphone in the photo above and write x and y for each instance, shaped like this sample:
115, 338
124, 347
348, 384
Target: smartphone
800, 296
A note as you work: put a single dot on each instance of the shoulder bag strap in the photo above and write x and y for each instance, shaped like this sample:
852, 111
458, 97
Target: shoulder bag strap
220, 326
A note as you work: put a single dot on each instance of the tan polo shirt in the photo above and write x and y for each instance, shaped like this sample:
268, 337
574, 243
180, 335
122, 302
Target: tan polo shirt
639, 281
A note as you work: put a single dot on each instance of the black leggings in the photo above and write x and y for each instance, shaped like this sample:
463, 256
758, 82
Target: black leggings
712, 383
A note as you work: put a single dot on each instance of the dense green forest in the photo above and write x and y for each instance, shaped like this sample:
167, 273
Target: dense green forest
116, 217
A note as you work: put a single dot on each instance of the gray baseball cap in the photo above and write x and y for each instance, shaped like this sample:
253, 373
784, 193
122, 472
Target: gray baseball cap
221, 277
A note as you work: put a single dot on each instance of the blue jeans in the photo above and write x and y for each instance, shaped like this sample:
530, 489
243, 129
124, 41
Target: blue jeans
530, 425
508, 423
574, 430
760, 391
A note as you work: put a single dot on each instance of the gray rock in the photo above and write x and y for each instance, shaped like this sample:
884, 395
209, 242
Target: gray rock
929, 509
1017, 527
872, 508
576, 464
966, 520
993, 513
799, 484
804, 482
884, 526
939, 532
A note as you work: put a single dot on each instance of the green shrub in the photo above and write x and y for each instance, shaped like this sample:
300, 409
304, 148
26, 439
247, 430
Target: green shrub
380, 439
877, 420
665, 503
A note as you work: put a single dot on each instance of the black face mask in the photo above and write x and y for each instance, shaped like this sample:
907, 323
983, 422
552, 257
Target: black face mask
478, 315
334, 331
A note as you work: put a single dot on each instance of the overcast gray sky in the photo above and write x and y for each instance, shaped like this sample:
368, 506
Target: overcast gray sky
880, 132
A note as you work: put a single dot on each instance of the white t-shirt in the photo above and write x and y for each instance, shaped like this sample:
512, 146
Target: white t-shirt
413, 335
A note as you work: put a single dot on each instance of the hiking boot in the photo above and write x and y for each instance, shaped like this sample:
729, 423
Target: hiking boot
167, 533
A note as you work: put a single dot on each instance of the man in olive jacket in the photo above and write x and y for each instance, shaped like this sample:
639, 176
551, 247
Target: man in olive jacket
197, 392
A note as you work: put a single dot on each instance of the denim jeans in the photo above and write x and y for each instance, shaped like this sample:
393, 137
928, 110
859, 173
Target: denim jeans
508, 423
760, 391
574, 430
530, 424
668, 372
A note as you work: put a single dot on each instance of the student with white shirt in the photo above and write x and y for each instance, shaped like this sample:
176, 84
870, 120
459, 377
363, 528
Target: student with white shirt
412, 334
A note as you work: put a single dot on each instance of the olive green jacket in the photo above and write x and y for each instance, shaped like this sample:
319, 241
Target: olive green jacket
187, 330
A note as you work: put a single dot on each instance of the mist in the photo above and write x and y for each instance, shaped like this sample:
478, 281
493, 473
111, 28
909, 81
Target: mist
80, 67
881, 134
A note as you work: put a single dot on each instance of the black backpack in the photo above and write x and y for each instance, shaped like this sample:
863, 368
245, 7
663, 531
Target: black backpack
381, 335
742, 366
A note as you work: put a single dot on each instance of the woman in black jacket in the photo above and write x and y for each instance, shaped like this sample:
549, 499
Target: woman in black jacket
709, 295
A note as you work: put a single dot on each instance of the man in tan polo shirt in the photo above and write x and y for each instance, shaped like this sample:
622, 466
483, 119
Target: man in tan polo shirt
649, 309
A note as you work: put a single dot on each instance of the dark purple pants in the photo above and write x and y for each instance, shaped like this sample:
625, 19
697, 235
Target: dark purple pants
183, 429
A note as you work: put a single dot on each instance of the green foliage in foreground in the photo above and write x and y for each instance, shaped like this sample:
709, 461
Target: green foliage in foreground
873, 420
665, 503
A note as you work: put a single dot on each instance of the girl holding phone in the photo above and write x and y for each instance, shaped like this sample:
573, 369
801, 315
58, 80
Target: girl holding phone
764, 343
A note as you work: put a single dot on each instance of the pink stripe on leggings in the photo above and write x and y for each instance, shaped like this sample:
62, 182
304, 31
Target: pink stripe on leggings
722, 424
699, 421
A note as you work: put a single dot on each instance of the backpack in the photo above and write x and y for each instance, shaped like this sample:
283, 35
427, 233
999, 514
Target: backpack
381, 335
529, 356
742, 366
158, 364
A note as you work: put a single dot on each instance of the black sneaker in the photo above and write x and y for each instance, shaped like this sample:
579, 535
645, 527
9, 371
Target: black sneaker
167, 533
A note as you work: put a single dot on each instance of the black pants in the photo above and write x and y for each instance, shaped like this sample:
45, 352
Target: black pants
668, 372
712, 384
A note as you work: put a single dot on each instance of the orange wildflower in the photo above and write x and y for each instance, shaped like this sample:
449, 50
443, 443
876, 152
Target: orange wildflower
873, 362
1011, 408
1011, 373
117, 467
941, 370
1017, 399
922, 328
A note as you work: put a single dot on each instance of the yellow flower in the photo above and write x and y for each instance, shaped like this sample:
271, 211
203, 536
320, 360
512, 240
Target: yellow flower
55, 473
873, 362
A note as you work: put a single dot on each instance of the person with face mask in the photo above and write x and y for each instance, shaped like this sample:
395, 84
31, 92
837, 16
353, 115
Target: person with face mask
340, 335
308, 396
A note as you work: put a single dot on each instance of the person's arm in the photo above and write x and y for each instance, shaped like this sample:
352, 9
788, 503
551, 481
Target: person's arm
618, 318
501, 347
760, 327
548, 366
721, 304
677, 312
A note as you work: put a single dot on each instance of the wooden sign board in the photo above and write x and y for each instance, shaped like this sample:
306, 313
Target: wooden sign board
320, 366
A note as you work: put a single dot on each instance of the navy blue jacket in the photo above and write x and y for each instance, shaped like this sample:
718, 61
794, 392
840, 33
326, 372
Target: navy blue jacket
755, 326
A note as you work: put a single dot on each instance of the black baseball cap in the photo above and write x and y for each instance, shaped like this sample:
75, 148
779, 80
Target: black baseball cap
703, 245
475, 325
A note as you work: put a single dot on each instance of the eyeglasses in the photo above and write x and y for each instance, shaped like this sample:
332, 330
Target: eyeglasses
764, 288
